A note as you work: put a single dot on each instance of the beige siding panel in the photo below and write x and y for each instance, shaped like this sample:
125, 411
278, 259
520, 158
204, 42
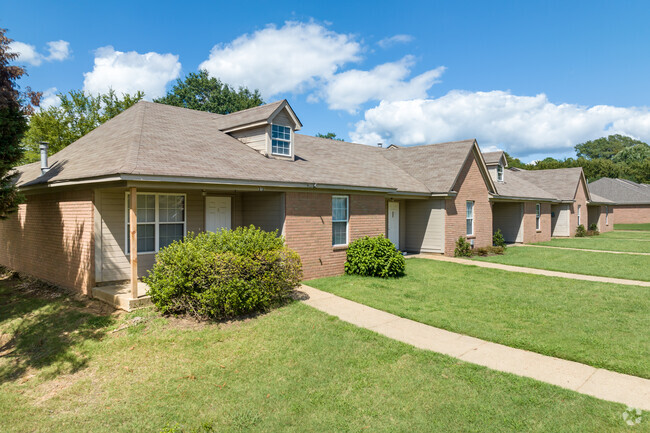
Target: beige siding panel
263, 209
283, 118
507, 218
560, 220
425, 221
254, 137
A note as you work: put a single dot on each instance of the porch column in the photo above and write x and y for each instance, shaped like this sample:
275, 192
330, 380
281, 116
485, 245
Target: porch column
133, 233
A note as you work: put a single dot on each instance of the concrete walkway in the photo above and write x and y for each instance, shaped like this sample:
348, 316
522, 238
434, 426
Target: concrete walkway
583, 249
535, 271
604, 384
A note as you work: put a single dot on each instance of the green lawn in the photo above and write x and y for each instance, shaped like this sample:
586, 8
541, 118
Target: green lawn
578, 262
600, 324
637, 235
605, 242
645, 226
63, 369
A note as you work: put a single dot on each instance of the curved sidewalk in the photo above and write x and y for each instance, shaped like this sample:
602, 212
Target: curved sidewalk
604, 384
535, 271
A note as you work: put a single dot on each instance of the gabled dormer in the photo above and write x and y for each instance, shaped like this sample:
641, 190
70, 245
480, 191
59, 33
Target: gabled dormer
496, 163
269, 129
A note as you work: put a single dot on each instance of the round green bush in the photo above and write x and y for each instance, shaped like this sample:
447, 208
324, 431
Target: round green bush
374, 257
223, 275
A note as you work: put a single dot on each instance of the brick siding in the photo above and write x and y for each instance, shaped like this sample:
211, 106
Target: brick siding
470, 185
308, 228
580, 200
632, 214
51, 238
530, 224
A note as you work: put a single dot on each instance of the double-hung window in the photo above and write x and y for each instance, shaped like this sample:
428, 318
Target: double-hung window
340, 218
499, 173
469, 217
579, 216
161, 221
280, 140
538, 214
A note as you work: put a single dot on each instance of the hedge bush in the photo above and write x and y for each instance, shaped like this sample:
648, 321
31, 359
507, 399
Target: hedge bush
581, 232
593, 230
225, 274
498, 240
374, 257
463, 248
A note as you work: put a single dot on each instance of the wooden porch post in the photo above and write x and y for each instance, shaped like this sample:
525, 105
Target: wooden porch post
133, 232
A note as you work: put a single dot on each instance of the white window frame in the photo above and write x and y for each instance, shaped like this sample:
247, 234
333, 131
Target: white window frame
156, 223
606, 215
499, 173
467, 207
538, 217
579, 214
283, 140
346, 221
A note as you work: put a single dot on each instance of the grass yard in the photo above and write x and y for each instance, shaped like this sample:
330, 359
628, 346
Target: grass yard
67, 367
599, 324
578, 262
605, 242
644, 226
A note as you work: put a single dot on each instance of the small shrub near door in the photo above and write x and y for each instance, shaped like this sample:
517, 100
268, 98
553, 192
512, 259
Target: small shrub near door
581, 232
593, 230
374, 257
225, 274
463, 248
498, 240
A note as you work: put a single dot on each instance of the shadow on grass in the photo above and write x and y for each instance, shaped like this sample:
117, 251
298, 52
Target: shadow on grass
44, 331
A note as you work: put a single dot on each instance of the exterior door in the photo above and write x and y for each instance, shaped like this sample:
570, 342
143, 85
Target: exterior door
393, 222
217, 213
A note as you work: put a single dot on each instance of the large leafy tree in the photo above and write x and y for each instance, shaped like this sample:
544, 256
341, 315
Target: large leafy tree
76, 115
605, 147
199, 91
14, 107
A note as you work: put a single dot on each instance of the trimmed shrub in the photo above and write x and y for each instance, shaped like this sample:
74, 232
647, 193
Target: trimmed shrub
593, 229
374, 257
482, 251
498, 240
463, 248
223, 275
499, 251
581, 232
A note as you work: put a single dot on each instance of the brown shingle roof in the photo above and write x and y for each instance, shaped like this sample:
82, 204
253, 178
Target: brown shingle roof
515, 185
562, 183
492, 158
621, 191
249, 116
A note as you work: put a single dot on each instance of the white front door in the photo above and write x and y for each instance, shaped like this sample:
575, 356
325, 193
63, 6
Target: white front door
217, 213
393, 222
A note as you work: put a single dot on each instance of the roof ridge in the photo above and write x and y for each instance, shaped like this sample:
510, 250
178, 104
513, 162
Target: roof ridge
256, 107
160, 104
416, 146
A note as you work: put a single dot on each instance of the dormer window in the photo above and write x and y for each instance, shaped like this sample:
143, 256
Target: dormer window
280, 140
499, 173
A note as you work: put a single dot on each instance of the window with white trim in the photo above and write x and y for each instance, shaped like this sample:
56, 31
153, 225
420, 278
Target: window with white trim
579, 212
538, 215
161, 221
606, 215
499, 173
469, 217
340, 218
280, 140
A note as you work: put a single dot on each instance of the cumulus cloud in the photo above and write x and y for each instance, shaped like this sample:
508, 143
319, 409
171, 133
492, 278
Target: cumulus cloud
524, 125
291, 58
49, 98
348, 90
394, 40
128, 72
58, 51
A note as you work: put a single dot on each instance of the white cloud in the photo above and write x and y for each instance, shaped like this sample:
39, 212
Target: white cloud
393, 40
291, 58
27, 53
128, 72
348, 90
523, 125
59, 50
49, 98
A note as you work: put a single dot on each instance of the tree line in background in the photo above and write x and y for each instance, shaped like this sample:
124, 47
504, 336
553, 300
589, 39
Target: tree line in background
615, 156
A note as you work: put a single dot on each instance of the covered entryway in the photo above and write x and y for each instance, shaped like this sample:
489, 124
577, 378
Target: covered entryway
393, 223
424, 226
509, 218
560, 225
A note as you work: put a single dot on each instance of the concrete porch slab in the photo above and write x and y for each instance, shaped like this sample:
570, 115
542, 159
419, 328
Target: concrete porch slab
119, 296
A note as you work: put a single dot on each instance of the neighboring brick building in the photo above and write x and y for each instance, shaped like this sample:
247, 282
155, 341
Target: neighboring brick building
630, 200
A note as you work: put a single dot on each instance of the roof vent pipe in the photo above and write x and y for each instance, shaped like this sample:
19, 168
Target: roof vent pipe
380, 144
43, 145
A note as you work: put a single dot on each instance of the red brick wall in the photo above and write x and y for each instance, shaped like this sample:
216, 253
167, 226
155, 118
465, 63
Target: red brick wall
308, 228
470, 185
580, 199
632, 214
610, 225
530, 226
51, 238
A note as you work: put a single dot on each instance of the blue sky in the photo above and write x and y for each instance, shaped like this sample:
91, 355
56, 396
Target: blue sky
533, 78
